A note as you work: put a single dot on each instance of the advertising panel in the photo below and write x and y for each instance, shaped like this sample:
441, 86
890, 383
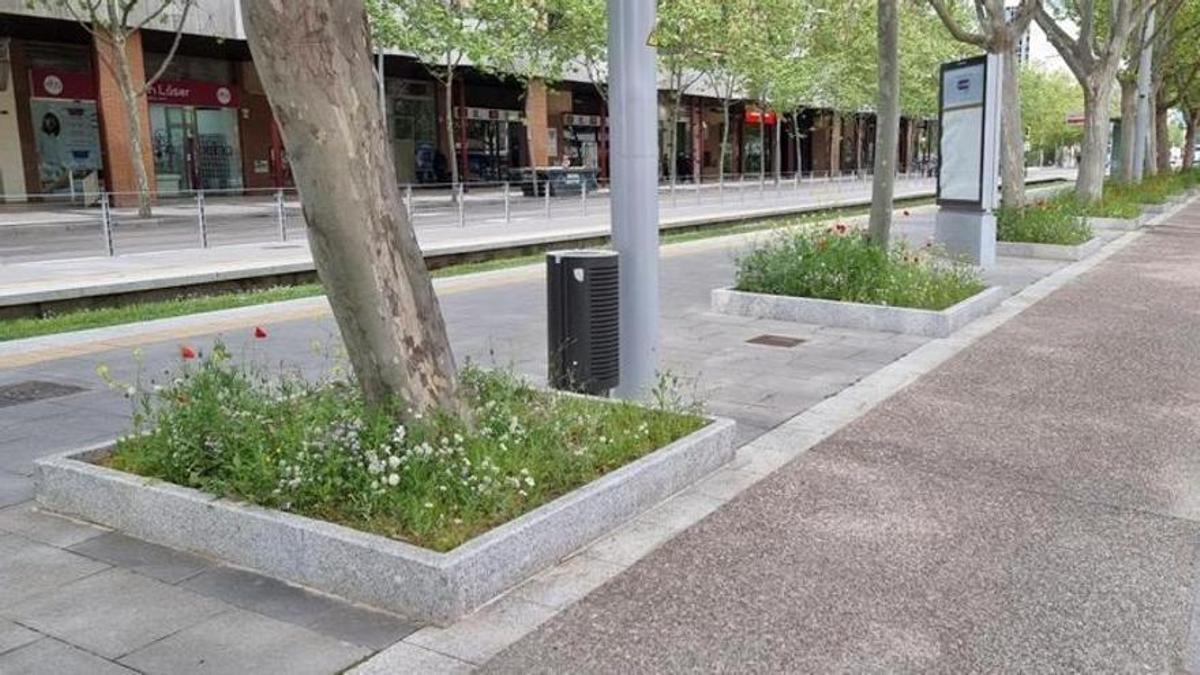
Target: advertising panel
67, 137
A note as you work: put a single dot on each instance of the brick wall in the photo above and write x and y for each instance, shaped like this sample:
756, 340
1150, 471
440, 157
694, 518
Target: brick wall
114, 126
537, 123
254, 122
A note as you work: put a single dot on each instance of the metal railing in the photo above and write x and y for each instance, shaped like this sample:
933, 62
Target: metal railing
62, 225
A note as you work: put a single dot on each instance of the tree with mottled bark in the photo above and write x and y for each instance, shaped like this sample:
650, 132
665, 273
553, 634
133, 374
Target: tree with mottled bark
887, 124
997, 33
1093, 54
314, 60
113, 23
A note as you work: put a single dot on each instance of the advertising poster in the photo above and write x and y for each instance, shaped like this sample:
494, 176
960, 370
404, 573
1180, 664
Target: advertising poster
67, 137
962, 133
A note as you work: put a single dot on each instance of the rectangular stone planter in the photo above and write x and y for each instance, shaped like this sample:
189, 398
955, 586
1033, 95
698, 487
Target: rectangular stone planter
1017, 249
416, 582
930, 323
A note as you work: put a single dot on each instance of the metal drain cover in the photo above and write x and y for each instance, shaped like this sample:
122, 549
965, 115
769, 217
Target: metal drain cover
775, 341
34, 390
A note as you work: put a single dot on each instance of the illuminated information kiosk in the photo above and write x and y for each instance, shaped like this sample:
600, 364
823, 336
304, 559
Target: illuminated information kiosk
969, 151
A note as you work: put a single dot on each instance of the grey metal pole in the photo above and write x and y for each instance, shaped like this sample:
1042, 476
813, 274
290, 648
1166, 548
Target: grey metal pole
546, 194
202, 220
1142, 130
507, 205
106, 225
408, 204
583, 196
280, 215
633, 115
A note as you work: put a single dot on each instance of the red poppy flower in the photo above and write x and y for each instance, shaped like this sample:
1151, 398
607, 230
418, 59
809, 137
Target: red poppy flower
260, 333
187, 352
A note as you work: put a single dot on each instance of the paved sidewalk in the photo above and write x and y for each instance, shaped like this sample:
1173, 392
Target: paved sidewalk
1033, 505
167, 612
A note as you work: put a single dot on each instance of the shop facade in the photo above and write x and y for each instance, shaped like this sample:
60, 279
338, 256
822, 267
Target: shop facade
195, 136
206, 123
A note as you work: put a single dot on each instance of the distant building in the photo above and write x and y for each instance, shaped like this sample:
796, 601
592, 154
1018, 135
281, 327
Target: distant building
207, 124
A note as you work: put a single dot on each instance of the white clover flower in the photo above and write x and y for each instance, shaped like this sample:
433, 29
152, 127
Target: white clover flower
429, 505
375, 468
393, 461
529, 481
523, 493
393, 479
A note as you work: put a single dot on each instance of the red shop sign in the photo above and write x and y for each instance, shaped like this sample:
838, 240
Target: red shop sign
192, 92
754, 116
48, 83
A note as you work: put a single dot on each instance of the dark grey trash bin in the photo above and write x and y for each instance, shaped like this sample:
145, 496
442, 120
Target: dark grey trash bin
583, 320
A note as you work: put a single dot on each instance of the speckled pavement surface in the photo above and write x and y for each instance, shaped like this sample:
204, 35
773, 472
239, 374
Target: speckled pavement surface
1031, 506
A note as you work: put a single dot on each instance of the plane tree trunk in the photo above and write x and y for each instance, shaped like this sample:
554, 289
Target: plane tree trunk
1089, 186
887, 124
1128, 127
314, 60
1012, 158
1192, 118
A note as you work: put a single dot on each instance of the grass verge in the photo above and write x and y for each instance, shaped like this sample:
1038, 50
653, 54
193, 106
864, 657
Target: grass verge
317, 450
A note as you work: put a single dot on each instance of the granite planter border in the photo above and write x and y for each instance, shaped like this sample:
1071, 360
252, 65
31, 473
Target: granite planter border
1117, 224
416, 582
926, 322
1020, 249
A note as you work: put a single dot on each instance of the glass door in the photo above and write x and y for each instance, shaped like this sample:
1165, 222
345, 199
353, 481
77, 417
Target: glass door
172, 129
217, 158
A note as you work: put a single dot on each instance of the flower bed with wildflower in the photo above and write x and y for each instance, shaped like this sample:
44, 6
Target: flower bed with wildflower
315, 448
1044, 222
838, 263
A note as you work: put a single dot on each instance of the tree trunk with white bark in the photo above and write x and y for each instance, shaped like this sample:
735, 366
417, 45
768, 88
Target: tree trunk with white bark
314, 60
1089, 186
1128, 128
1012, 157
452, 154
1162, 136
133, 118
